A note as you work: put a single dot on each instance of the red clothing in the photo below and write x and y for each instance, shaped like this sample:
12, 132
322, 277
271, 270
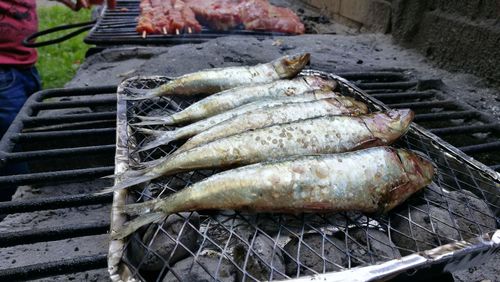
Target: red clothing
17, 20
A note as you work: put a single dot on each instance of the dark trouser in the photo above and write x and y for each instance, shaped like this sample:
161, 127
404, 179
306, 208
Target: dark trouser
16, 85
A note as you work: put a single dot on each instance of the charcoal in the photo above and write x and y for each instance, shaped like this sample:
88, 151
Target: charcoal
162, 250
368, 246
435, 195
261, 260
430, 227
473, 215
318, 254
209, 267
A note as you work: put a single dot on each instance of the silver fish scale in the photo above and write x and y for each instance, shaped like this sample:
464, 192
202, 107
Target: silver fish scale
331, 242
263, 117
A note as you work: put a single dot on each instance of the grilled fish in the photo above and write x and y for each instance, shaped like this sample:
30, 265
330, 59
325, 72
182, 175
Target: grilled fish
324, 135
214, 80
164, 137
276, 115
235, 97
372, 180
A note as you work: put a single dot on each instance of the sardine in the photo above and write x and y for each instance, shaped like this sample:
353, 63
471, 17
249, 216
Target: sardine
164, 137
276, 115
211, 81
372, 181
324, 135
235, 97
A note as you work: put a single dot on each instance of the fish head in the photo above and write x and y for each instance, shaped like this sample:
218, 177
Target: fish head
290, 66
352, 105
317, 82
390, 125
420, 171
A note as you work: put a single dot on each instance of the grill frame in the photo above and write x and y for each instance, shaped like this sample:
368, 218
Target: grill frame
117, 27
443, 257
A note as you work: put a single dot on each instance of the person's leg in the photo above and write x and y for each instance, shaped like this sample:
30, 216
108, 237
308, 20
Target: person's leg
12, 97
15, 87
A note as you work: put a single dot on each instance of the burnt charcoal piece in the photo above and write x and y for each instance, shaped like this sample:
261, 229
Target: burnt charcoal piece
261, 261
435, 195
316, 252
430, 227
473, 215
205, 268
368, 246
163, 250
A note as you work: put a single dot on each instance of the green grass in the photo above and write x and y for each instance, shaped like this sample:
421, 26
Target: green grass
58, 63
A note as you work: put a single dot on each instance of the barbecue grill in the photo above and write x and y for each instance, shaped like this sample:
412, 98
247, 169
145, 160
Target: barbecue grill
239, 245
38, 126
118, 27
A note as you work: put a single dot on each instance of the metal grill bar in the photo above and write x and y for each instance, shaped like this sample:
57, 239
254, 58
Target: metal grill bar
31, 121
53, 203
53, 176
8, 239
74, 104
465, 129
480, 148
405, 95
446, 115
63, 134
53, 268
447, 104
383, 85
57, 153
376, 75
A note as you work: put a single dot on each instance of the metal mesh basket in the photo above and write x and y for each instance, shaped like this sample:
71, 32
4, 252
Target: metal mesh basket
461, 205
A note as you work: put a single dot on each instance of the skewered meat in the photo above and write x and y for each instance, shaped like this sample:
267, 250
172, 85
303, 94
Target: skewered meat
171, 16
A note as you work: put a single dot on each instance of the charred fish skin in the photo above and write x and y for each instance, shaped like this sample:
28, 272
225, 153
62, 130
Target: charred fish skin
323, 135
235, 97
164, 137
215, 80
371, 181
279, 114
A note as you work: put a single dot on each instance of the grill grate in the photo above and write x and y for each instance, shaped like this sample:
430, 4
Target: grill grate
473, 132
118, 27
65, 137
33, 127
229, 245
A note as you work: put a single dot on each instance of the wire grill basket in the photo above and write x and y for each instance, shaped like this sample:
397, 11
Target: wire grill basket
444, 219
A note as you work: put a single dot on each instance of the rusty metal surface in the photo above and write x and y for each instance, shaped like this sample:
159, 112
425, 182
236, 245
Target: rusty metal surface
233, 237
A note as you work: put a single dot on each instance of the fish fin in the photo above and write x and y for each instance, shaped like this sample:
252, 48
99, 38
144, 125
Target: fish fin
148, 131
154, 121
163, 139
112, 176
137, 208
165, 120
128, 179
372, 142
134, 94
131, 226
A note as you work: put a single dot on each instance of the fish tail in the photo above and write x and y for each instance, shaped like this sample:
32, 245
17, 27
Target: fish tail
167, 120
136, 223
141, 94
164, 138
150, 131
129, 179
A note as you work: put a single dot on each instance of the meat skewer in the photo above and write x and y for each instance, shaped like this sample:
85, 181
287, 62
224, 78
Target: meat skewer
176, 16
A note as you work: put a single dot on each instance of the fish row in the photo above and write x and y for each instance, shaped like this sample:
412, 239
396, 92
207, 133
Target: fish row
291, 145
